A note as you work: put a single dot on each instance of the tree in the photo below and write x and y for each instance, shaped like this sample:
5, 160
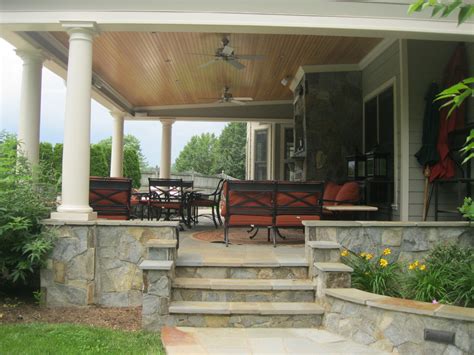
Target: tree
99, 165
198, 155
131, 166
230, 151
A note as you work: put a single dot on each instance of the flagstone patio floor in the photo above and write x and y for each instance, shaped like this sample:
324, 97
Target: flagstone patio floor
194, 252
275, 341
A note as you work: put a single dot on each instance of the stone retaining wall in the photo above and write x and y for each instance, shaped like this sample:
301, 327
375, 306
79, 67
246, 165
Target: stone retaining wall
97, 262
408, 240
397, 325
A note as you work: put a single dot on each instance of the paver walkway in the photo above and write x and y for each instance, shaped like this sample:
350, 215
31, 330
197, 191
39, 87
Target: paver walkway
274, 341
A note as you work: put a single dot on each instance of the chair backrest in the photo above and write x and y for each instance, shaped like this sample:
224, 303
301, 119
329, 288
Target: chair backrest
299, 198
249, 198
166, 189
110, 197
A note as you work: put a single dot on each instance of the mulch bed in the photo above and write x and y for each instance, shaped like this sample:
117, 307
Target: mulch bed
15, 311
239, 236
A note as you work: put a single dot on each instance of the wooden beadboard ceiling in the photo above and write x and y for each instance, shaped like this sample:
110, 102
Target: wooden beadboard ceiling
154, 69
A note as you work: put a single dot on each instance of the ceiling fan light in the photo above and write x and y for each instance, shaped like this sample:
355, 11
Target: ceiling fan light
227, 50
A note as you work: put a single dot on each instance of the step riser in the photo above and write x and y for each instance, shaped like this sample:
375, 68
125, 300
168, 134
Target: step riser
243, 273
242, 296
246, 321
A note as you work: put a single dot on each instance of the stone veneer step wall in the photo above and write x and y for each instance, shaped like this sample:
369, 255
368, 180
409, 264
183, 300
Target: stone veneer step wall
393, 324
97, 262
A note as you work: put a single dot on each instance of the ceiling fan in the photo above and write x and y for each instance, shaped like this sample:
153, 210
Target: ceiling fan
228, 98
227, 55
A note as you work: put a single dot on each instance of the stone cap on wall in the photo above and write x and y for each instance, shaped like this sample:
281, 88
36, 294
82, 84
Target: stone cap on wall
384, 224
109, 222
402, 305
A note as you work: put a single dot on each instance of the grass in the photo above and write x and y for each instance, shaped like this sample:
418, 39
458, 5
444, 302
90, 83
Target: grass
40, 338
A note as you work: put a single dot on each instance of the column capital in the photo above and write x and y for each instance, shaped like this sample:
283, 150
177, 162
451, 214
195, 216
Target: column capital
82, 30
117, 114
31, 55
167, 121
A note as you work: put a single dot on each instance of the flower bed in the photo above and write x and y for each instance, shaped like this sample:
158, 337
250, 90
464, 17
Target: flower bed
445, 275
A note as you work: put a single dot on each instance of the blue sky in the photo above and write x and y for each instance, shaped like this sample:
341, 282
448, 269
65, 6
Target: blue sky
53, 98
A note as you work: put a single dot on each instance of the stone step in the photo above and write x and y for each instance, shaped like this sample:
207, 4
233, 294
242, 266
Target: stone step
243, 272
246, 314
243, 290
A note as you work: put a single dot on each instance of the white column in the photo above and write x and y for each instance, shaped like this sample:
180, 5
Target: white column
116, 161
77, 122
165, 164
30, 104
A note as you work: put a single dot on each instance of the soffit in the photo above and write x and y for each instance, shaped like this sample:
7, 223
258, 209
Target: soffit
157, 69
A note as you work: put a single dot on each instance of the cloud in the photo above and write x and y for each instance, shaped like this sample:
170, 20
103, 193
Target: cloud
53, 100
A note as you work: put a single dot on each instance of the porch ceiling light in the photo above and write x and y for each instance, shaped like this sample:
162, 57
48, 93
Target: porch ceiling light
285, 80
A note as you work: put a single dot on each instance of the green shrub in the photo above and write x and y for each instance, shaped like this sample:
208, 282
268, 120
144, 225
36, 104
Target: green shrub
446, 276
467, 209
23, 203
374, 274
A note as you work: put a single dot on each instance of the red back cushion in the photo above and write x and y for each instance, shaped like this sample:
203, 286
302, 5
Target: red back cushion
330, 192
349, 193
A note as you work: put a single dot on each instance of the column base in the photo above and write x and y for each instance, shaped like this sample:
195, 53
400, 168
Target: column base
74, 216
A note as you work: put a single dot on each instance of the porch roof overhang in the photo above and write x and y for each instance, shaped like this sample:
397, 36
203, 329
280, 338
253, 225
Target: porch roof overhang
369, 25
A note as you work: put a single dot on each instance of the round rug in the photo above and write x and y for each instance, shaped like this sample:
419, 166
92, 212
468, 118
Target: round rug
240, 236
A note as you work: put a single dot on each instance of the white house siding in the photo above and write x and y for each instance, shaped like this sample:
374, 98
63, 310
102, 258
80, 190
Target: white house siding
382, 69
427, 60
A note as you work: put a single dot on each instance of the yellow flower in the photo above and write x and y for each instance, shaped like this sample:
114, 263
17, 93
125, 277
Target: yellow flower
387, 251
422, 267
363, 254
383, 262
344, 252
416, 263
368, 256
411, 267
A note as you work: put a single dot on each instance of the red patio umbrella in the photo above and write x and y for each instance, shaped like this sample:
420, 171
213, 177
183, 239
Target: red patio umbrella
455, 71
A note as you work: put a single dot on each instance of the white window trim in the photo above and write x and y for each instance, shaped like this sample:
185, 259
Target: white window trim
392, 82
263, 127
283, 127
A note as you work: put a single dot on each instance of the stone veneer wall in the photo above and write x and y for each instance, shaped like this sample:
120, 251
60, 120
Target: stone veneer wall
397, 325
408, 240
97, 262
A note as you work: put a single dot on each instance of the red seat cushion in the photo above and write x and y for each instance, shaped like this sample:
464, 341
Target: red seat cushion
172, 205
203, 202
330, 193
114, 217
247, 220
294, 220
349, 193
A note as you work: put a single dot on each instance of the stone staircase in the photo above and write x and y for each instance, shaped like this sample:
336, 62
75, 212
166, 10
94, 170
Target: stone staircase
256, 294
251, 296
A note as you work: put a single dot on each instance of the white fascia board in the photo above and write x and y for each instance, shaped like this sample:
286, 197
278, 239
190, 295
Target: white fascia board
374, 53
413, 27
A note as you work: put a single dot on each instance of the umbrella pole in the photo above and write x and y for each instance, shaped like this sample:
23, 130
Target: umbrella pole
426, 173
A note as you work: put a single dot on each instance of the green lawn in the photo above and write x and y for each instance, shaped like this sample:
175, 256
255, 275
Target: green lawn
40, 338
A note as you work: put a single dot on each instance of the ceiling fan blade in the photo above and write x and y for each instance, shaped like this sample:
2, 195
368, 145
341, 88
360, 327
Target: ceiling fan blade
208, 63
235, 64
243, 98
250, 57
237, 102
202, 54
